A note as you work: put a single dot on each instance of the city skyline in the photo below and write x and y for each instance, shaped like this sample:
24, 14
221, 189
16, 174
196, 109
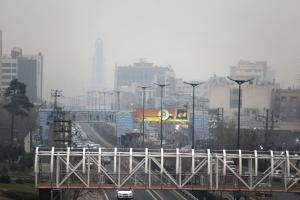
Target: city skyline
201, 36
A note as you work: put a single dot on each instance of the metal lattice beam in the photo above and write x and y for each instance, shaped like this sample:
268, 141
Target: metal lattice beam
167, 169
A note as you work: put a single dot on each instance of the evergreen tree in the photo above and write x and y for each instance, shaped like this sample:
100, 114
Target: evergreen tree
17, 103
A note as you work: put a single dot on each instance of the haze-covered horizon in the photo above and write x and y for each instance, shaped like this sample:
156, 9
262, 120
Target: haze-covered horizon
197, 38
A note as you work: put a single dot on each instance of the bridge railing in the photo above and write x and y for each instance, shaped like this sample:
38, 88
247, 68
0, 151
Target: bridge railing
167, 169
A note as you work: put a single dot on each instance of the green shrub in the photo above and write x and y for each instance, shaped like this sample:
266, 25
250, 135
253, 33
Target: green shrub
4, 179
20, 181
20, 195
4, 170
13, 167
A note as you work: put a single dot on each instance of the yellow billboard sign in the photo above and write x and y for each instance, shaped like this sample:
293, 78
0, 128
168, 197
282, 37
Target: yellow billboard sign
154, 114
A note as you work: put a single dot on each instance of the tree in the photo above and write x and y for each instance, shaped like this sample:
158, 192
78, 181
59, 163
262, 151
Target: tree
17, 103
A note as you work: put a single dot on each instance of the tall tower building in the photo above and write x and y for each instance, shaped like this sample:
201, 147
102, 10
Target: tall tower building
98, 80
0, 58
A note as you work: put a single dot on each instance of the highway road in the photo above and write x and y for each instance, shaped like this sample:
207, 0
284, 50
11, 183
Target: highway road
148, 194
139, 194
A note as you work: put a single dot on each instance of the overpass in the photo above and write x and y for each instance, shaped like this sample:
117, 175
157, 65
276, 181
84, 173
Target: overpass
167, 169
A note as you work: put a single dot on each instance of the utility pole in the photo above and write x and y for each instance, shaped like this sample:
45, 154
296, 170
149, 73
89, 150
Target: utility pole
61, 127
267, 127
111, 100
161, 111
104, 103
298, 81
221, 125
144, 95
118, 99
56, 94
239, 82
193, 84
99, 100
272, 120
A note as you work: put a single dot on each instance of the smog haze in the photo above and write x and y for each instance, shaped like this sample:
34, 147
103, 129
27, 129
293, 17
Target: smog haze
197, 38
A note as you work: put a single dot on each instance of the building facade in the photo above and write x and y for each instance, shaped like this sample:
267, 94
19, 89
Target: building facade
286, 104
259, 70
143, 73
253, 97
8, 71
27, 69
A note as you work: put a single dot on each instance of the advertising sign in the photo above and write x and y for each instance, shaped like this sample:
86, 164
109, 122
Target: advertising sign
124, 122
154, 114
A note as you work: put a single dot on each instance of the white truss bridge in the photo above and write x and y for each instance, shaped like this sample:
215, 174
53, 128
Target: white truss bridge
167, 169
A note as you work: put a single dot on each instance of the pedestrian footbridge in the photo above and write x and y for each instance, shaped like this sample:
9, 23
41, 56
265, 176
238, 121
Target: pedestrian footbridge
239, 170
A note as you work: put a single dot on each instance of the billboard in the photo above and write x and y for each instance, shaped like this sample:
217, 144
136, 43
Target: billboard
201, 125
124, 122
44, 119
153, 115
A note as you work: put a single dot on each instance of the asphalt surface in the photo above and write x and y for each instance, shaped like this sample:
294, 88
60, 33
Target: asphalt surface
146, 194
138, 194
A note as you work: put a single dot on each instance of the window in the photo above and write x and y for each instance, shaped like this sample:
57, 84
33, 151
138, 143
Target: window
6, 70
5, 83
283, 98
8, 77
6, 64
293, 99
234, 98
9, 70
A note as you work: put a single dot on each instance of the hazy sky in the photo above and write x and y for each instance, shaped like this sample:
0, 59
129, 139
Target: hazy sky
197, 38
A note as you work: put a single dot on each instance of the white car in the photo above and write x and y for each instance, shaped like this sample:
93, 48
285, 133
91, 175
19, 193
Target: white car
125, 194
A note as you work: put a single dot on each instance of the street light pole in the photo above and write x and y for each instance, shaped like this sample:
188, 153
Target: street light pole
144, 93
239, 82
111, 100
104, 103
118, 100
161, 111
193, 122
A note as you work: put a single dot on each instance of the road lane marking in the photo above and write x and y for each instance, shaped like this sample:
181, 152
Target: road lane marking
180, 195
105, 195
161, 198
151, 195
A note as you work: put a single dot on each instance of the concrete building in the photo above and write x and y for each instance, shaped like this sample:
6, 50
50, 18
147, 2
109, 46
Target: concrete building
143, 73
27, 69
286, 104
254, 98
182, 96
259, 70
8, 71
30, 72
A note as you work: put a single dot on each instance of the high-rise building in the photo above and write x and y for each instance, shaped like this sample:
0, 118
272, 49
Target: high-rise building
0, 58
27, 69
98, 80
143, 73
260, 71
30, 72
